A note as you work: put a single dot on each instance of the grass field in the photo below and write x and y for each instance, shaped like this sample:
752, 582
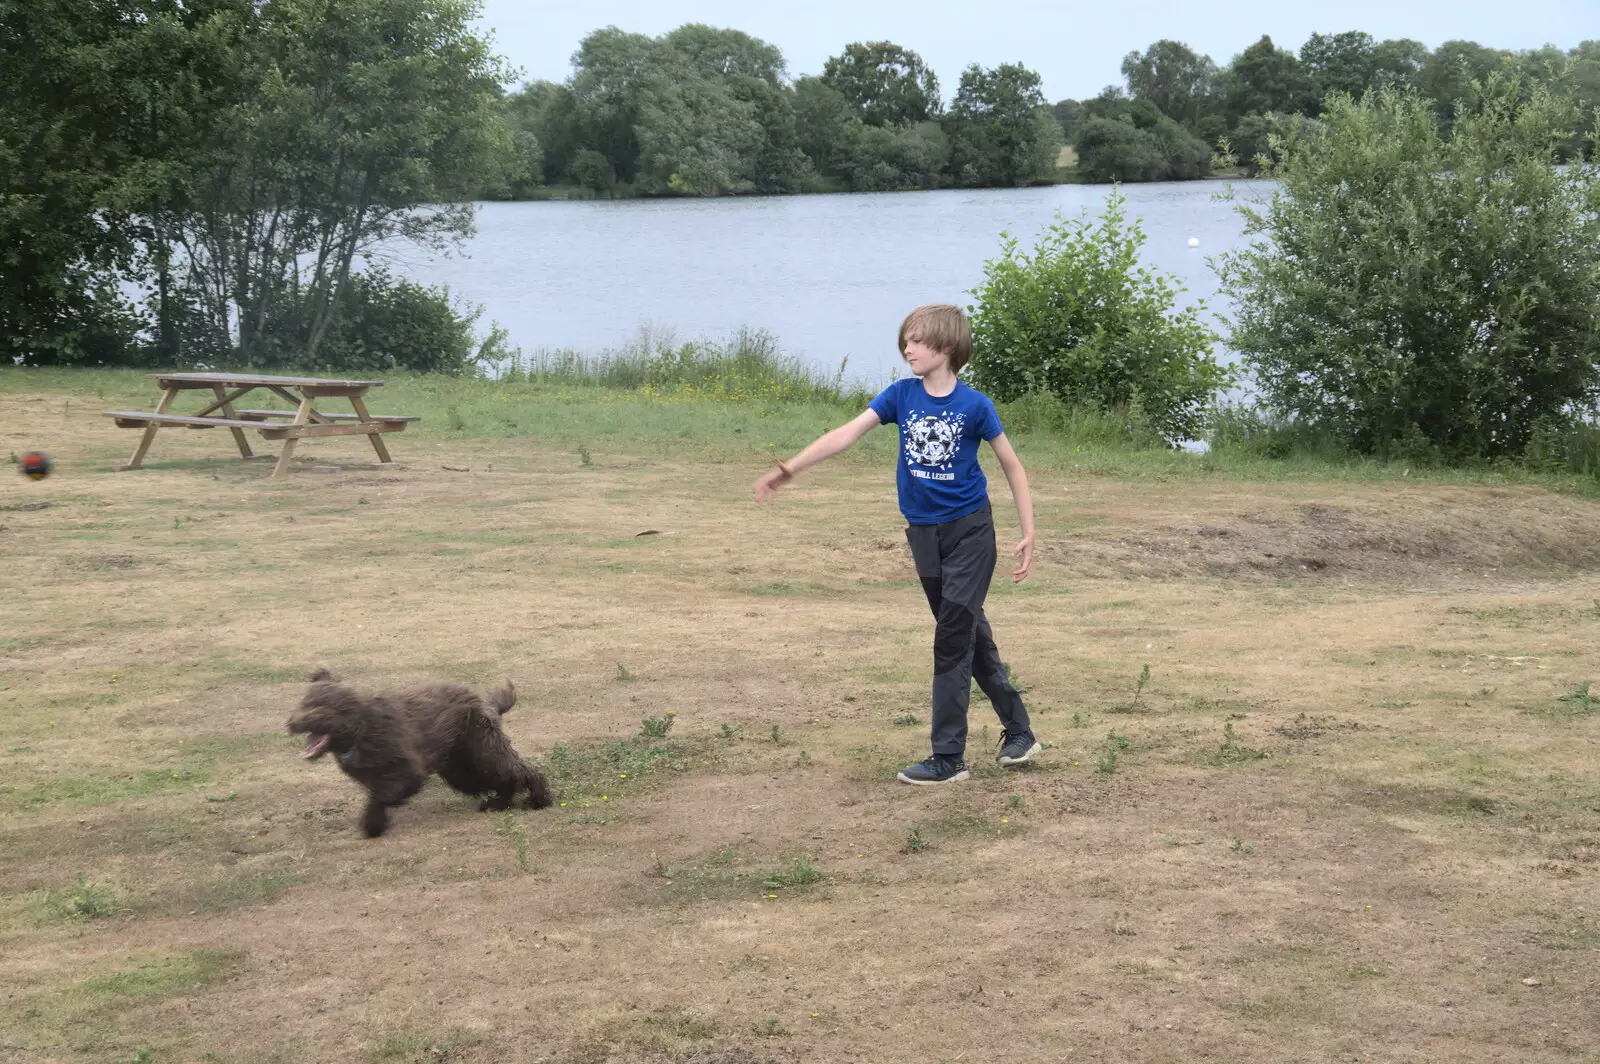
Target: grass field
1353, 814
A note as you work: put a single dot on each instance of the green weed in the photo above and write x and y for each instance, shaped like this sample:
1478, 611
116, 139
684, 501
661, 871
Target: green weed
1231, 752
82, 901
1109, 754
915, 843
657, 727
1577, 702
510, 828
624, 674
906, 720
800, 873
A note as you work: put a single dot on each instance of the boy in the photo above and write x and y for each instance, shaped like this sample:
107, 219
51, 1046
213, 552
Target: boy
945, 499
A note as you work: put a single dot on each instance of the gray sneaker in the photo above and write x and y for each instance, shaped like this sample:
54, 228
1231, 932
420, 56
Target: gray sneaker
940, 768
1018, 748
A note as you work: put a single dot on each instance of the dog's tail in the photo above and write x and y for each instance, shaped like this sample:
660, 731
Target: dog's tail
502, 698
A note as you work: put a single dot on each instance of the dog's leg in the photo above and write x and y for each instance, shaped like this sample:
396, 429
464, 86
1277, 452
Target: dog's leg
500, 799
538, 790
375, 821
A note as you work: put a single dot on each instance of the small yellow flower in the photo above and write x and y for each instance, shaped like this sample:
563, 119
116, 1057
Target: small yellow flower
563, 805
622, 775
814, 1015
772, 895
1005, 820
605, 797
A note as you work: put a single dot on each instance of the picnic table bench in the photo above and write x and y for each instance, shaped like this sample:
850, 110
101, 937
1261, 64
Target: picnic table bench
304, 421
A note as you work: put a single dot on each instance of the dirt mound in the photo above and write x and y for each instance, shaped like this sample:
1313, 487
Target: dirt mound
1447, 534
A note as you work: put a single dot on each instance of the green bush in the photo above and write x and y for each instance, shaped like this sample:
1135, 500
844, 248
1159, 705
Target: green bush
389, 323
1414, 295
1080, 318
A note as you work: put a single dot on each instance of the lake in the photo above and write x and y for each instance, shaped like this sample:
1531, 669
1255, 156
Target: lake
830, 276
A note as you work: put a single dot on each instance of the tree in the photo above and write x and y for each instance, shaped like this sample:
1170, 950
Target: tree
1251, 142
718, 54
338, 127
98, 104
1398, 63
1404, 290
614, 73
592, 170
1081, 319
1001, 133
1450, 72
887, 85
1340, 62
1068, 114
1266, 78
547, 114
1170, 75
823, 120
699, 111
1112, 149
525, 172
696, 137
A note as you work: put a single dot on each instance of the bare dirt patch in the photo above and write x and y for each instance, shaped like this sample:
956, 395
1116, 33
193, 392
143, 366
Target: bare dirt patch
1418, 535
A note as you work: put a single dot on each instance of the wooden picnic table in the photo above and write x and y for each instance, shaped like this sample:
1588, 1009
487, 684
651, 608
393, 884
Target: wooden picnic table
305, 420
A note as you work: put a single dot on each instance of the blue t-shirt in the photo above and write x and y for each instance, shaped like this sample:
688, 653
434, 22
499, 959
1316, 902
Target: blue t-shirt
939, 477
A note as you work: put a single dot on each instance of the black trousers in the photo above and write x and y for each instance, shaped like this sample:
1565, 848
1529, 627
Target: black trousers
955, 562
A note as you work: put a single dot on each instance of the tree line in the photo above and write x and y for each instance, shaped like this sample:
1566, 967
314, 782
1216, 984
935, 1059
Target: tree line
707, 111
1178, 112
703, 111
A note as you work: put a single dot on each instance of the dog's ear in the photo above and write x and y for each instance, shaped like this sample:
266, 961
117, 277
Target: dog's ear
322, 676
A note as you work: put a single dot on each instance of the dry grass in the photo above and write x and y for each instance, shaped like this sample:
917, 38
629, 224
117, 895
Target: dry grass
1399, 828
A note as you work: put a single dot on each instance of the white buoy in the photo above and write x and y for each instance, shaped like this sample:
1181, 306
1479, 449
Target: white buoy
1194, 241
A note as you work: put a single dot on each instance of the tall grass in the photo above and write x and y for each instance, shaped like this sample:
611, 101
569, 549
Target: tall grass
748, 365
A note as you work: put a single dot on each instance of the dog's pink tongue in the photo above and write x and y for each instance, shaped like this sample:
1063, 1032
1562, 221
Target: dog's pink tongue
316, 742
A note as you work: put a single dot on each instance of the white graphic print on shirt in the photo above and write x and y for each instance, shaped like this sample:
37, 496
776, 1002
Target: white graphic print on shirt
932, 440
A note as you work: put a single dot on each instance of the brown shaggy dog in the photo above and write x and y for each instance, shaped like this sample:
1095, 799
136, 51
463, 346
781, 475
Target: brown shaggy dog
390, 744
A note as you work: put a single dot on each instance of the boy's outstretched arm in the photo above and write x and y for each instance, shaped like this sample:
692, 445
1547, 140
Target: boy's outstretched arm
823, 447
1017, 477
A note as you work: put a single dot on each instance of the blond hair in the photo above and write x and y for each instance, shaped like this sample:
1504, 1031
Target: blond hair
942, 327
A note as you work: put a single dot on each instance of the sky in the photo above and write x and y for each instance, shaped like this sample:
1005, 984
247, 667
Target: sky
1076, 47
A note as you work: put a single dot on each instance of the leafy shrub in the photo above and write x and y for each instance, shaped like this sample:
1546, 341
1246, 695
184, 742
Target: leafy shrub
1080, 318
1408, 293
388, 323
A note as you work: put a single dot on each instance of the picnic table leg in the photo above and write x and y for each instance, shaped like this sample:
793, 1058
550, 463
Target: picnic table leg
150, 430
377, 440
227, 412
301, 417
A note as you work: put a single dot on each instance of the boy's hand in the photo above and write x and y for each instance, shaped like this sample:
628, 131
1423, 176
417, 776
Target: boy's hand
767, 487
1024, 554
